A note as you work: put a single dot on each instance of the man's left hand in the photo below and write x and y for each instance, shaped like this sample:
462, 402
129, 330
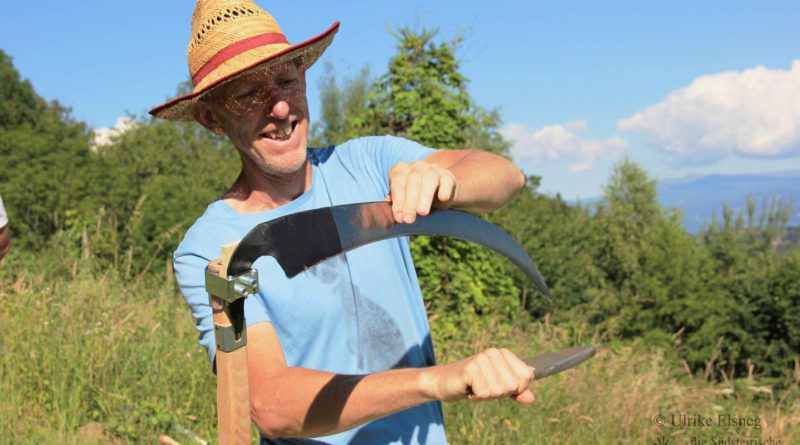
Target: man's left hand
417, 186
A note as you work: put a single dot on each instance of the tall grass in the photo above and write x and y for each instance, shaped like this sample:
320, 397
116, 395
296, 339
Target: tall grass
93, 348
90, 356
616, 398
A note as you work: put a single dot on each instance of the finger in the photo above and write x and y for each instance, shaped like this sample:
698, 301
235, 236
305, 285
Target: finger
412, 188
522, 372
430, 182
478, 389
447, 185
505, 376
397, 188
526, 397
493, 374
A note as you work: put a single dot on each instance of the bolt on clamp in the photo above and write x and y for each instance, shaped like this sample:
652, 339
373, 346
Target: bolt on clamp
230, 289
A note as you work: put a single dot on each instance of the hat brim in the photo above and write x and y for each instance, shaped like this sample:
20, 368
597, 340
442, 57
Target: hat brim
309, 51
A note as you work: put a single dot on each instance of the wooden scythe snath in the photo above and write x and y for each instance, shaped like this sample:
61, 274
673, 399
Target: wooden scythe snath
233, 388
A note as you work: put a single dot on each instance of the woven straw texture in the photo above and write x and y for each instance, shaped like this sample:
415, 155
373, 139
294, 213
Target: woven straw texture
230, 37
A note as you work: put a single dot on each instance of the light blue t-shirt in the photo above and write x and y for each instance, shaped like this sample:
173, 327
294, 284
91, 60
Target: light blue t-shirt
358, 313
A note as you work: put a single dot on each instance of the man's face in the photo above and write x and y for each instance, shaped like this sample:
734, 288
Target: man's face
265, 115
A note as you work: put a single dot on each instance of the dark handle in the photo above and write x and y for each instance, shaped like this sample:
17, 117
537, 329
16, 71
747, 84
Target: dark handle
554, 362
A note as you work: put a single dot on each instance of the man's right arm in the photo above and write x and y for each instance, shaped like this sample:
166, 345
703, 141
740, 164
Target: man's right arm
298, 402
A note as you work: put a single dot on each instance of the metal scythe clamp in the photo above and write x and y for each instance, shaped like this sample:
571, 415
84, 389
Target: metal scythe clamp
231, 289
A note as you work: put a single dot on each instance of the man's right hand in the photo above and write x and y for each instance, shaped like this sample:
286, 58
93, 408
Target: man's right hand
491, 374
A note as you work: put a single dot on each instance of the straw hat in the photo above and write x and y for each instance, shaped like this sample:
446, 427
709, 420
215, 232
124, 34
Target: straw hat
230, 37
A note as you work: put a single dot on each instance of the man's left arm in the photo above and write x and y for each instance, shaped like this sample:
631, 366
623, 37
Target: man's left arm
464, 179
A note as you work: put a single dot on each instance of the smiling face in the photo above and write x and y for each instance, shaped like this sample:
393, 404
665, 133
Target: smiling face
265, 115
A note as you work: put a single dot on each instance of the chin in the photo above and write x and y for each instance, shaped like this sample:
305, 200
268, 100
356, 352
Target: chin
287, 164
290, 167
283, 156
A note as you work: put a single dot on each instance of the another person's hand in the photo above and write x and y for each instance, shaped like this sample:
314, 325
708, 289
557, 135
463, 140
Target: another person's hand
491, 374
5, 241
5, 234
417, 186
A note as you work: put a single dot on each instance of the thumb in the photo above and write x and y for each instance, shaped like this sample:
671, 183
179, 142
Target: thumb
526, 397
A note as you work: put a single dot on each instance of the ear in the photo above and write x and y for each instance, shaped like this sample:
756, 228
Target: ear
204, 114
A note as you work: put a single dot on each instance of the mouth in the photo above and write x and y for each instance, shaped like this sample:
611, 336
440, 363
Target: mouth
283, 132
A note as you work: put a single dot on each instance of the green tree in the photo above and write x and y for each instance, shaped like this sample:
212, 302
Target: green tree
130, 200
45, 157
560, 239
424, 97
342, 107
153, 181
655, 272
753, 319
720, 300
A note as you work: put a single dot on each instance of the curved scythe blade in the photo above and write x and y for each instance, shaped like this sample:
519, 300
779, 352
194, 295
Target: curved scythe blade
301, 240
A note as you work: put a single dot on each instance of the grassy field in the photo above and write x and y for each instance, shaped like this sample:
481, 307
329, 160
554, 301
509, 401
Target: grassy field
91, 357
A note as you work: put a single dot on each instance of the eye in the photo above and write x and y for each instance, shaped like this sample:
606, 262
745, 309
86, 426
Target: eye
247, 93
285, 82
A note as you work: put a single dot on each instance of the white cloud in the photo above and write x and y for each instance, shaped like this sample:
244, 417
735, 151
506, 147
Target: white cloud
580, 166
554, 142
105, 136
755, 112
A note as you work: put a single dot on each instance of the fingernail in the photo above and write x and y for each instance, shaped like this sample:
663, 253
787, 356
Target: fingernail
409, 218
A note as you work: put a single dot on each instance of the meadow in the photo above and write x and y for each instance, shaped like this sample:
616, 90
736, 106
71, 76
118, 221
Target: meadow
93, 356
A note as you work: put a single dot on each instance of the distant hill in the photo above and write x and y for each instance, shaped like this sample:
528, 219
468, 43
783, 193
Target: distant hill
701, 197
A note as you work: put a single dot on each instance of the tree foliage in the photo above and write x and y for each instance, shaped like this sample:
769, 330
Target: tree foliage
342, 107
155, 180
424, 97
725, 301
42, 149
560, 239
136, 196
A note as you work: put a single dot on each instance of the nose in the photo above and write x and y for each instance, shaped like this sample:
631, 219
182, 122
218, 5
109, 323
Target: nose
280, 110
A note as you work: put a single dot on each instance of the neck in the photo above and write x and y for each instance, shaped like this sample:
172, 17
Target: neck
258, 191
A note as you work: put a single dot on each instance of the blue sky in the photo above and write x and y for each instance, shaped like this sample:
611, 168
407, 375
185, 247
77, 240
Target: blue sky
685, 88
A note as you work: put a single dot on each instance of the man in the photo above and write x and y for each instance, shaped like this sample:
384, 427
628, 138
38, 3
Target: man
342, 352
5, 235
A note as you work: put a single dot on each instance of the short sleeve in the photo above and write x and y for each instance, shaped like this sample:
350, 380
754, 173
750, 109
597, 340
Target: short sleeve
3, 215
189, 272
389, 150
190, 261
378, 154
